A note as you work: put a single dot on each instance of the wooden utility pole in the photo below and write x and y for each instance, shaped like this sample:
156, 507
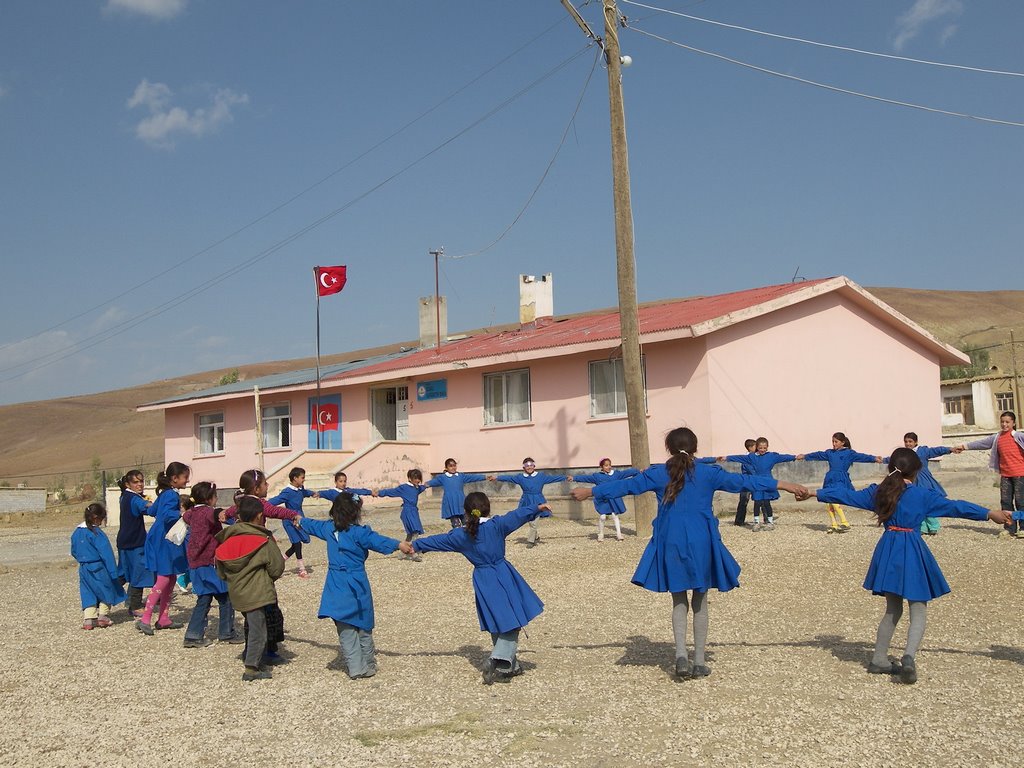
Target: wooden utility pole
1016, 384
629, 321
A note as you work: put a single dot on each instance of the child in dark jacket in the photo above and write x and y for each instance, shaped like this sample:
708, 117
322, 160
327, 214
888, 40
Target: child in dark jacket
250, 561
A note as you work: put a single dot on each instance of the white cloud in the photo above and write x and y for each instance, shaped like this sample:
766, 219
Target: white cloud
166, 123
155, 9
910, 24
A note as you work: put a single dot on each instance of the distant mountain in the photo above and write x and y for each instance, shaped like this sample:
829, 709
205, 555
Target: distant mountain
72, 436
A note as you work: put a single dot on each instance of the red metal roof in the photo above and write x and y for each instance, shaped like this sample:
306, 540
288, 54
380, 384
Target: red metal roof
579, 329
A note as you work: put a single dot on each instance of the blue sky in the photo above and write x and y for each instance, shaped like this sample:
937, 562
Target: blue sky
235, 144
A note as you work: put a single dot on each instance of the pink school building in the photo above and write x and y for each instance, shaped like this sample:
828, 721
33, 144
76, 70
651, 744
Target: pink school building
791, 362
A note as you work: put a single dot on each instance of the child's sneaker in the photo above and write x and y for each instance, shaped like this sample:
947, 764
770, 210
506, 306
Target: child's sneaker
769, 526
103, 622
255, 674
756, 527
143, 627
87, 624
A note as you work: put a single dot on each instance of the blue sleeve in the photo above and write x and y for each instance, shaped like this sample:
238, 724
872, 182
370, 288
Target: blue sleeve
330, 494
321, 529
864, 458
473, 478
370, 539
441, 542
139, 506
940, 506
106, 553
433, 482
630, 472
80, 549
359, 491
389, 492
632, 486
864, 499
782, 458
514, 520
734, 483
816, 456
941, 450
306, 493
277, 500
706, 460
586, 478
738, 458
549, 479
507, 479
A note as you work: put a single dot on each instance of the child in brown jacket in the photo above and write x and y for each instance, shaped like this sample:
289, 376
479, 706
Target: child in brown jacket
250, 561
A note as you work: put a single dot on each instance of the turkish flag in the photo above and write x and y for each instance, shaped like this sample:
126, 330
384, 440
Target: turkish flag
328, 421
329, 280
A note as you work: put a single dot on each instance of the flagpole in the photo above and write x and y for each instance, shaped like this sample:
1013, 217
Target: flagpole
316, 283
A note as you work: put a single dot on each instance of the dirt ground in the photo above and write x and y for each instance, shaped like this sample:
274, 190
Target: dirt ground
788, 650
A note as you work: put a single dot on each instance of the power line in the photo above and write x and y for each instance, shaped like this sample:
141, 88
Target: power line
297, 195
160, 309
825, 45
551, 163
828, 87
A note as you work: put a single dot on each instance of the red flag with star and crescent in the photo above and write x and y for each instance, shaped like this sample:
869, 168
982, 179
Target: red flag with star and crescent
329, 280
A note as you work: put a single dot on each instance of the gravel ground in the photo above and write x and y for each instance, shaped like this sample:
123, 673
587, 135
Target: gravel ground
788, 650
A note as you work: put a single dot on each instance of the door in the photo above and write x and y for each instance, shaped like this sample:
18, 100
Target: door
402, 413
384, 412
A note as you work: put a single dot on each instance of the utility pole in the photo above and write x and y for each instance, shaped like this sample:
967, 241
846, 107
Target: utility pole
1016, 384
629, 321
437, 254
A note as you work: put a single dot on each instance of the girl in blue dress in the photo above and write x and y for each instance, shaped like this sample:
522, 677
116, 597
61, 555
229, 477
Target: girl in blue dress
131, 539
454, 495
164, 558
902, 567
685, 555
930, 526
532, 484
347, 598
613, 507
409, 492
840, 458
504, 601
99, 583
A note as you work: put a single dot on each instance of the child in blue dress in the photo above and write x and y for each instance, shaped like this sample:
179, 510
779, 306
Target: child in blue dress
340, 487
347, 598
613, 507
686, 553
131, 539
99, 583
454, 494
930, 525
504, 601
761, 462
532, 483
292, 498
164, 558
840, 457
409, 492
902, 567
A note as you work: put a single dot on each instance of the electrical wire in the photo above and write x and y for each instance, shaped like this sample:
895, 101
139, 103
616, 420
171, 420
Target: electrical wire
551, 163
848, 49
297, 195
828, 87
176, 301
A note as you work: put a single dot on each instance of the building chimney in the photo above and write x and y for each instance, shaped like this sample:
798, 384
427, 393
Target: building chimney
535, 298
429, 321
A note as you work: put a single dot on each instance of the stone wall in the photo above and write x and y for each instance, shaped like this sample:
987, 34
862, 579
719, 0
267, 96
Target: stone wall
17, 500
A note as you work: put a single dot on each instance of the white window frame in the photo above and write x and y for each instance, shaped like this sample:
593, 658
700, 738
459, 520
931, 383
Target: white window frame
216, 442
505, 416
282, 431
951, 405
1004, 402
619, 392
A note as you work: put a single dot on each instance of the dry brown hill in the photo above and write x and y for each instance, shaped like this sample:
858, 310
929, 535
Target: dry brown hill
70, 437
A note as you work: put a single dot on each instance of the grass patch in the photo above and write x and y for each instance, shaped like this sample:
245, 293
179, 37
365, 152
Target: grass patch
463, 724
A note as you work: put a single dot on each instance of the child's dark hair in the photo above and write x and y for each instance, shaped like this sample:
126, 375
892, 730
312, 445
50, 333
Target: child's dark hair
203, 493
476, 505
414, 475
249, 508
345, 511
904, 464
1011, 414
529, 460
450, 460
296, 472
339, 475
761, 440
749, 443
681, 443
163, 479
910, 436
94, 515
250, 480
129, 476
842, 439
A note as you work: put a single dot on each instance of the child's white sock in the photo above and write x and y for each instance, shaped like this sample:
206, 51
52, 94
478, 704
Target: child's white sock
600, 527
618, 528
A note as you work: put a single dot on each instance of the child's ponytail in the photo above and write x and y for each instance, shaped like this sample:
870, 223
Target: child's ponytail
163, 479
842, 439
345, 511
681, 443
904, 464
95, 514
129, 476
476, 506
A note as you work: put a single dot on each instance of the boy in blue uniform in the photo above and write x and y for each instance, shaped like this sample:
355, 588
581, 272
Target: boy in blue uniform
292, 498
930, 525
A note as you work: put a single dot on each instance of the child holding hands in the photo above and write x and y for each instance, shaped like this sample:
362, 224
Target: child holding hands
99, 584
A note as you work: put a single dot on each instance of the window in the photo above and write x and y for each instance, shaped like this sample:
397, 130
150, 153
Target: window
507, 397
1004, 401
608, 387
277, 426
952, 404
211, 432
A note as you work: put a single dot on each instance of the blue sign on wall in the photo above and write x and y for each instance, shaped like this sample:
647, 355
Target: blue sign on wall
437, 389
325, 427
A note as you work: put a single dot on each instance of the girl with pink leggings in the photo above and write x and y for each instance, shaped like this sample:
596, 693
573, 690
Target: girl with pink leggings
163, 557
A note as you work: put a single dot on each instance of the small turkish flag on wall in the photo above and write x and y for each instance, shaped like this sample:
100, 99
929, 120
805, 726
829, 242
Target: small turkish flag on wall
329, 279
